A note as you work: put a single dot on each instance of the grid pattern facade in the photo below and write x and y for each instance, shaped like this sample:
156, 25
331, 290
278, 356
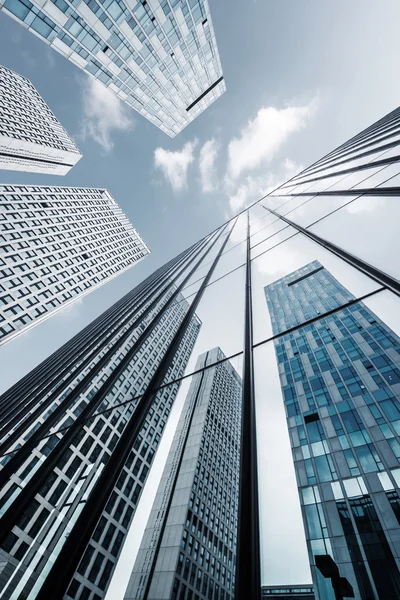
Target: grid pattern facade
57, 244
340, 379
158, 56
30, 549
195, 557
31, 138
288, 592
338, 518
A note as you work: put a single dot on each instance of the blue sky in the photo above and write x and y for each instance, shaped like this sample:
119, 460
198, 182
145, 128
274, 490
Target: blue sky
301, 78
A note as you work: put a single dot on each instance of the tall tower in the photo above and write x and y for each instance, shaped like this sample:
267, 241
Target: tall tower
67, 432
189, 545
31, 138
340, 380
58, 244
159, 57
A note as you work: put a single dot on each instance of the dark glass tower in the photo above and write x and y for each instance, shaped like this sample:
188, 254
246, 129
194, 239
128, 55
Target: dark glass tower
69, 433
340, 378
80, 431
189, 546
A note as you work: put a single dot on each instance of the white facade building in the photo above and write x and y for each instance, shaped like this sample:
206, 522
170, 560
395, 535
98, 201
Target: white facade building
31, 138
56, 245
159, 56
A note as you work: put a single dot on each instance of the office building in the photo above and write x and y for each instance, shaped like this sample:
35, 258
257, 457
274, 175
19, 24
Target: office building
31, 138
75, 524
72, 424
159, 57
340, 379
287, 592
189, 546
56, 245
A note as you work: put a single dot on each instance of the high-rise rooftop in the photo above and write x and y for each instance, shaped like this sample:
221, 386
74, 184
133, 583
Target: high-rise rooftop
31, 138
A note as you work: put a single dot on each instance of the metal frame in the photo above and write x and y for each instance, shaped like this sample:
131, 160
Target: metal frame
42, 386
67, 561
248, 566
384, 279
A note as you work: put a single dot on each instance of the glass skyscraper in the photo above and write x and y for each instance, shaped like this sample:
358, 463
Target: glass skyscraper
57, 532
31, 138
71, 418
340, 379
159, 57
57, 244
189, 546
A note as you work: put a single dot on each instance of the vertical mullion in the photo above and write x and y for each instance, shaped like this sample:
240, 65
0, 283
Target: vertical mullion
70, 351
248, 576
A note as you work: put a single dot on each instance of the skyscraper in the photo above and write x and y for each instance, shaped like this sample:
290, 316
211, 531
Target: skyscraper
197, 273
340, 379
72, 424
190, 541
159, 57
57, 244
80, 431
31, 138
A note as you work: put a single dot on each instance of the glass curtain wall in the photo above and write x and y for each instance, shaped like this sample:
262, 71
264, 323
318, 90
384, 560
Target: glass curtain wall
84, 435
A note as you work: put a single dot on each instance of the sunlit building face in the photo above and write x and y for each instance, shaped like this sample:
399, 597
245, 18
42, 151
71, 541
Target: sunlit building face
31, 138
159, 57
57, 245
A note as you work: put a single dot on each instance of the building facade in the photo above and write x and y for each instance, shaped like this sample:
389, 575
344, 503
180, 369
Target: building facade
288, 592
31, 138
340, 379
57, 244
60, 435
159, 57
188, 550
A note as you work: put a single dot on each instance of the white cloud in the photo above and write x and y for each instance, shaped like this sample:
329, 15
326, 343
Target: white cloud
104, 113
280, 262
208, 175
255, 187
174, 165
250, 190
264, 135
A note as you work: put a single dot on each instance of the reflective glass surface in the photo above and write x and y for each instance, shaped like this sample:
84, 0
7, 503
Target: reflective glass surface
266, 353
